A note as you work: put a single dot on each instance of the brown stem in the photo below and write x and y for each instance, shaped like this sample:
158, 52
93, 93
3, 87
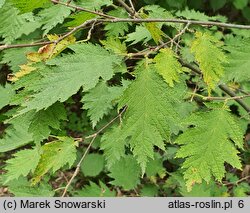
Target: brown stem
83, 9
84, 24
226, 98
77, 170
180, 21
228, 91
93, 136
239, 181
126, 7
11, 46
223, 87
137, 20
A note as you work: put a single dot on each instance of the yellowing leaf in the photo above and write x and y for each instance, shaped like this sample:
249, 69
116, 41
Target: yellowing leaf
168, 66
55, 155
51, 50
44, 53
62, 45
25, 69
210, 58
208, 145
154, 30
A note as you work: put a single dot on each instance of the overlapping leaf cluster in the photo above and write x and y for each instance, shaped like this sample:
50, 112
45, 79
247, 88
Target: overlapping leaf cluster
57, 95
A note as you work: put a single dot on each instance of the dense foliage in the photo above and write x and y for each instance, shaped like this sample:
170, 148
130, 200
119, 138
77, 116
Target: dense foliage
124, 98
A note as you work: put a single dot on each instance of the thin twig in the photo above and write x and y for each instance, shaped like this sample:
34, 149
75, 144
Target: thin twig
194, 93
178, 35
140, 20
132, 6
108, 124
126, 7
83, 9
226, 98
91, 21
90, 32
78, 167
11, 46
242, 91
137, 20
223, 87
151, 50
239, 181
93, 137
228, 91
180, 21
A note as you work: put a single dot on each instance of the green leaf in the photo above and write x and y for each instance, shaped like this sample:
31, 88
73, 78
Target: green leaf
241, 190
197, 15
151, 116
13, 25
29, 25
54, 156
22, 188
16, 57
208, 145
120, 28
175, 4
2, 3
240, 33
83, 68
94, 190
113, 144
31, 126
11, 22
115, 45
52, 16
141, 34
168, 66
238, 67
149, 191
24, 162
155, 166
216, 5
240, 4
100, 100
92, 165
94, 4
44, 120
27, 5
79, 18
210, 58
212, 189
246, 13
155, 11
6, 93
124, 168
152, 27
16, 135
